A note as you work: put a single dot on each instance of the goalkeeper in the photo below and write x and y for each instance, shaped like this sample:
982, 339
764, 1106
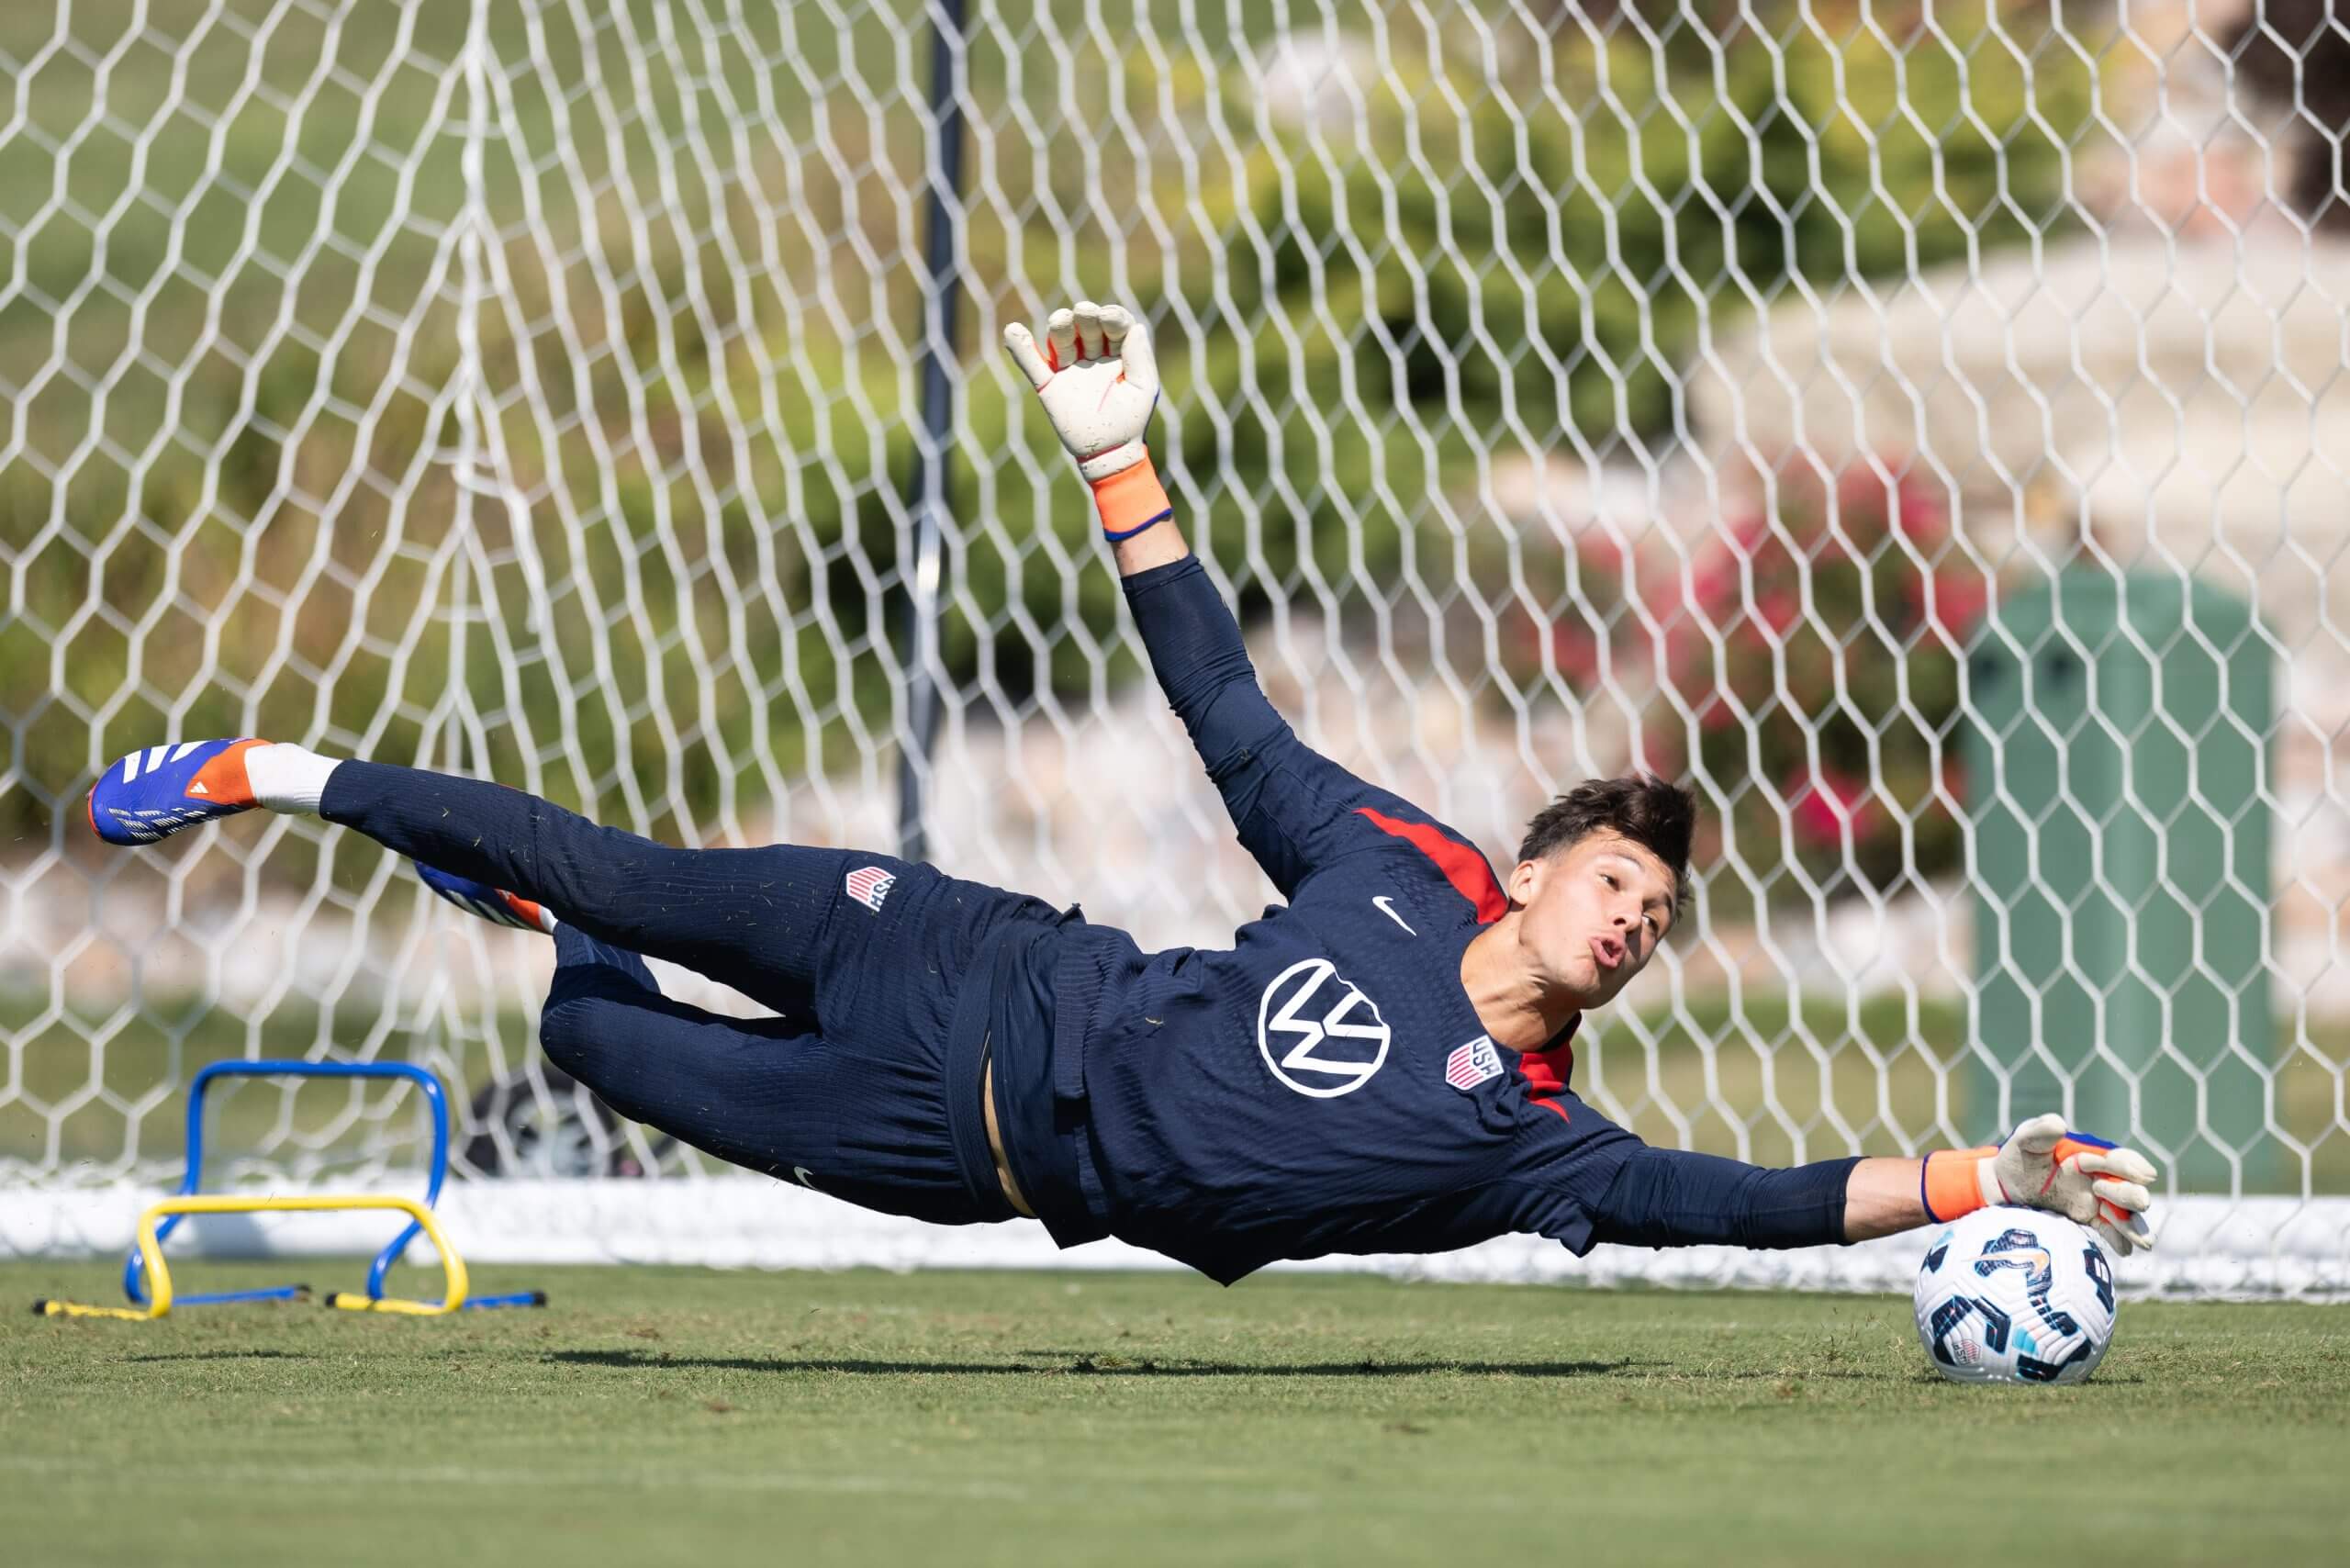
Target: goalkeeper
1384, 1065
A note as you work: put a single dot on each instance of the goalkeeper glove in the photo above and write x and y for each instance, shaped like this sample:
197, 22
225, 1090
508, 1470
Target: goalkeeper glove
2044, 1166
1099, 384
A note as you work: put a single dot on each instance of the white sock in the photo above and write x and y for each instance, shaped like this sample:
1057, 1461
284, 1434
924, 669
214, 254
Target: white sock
288, 777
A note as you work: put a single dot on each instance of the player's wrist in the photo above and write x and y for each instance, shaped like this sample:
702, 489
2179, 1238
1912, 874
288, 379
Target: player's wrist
1111, 461
1129, 497
1952, 1182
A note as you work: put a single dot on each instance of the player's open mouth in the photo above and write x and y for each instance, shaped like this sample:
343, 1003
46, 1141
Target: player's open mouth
1606, 951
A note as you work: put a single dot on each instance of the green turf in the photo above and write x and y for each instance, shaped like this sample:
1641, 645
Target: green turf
681, 1415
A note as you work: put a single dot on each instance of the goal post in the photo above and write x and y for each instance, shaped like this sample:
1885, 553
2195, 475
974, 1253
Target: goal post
535, 389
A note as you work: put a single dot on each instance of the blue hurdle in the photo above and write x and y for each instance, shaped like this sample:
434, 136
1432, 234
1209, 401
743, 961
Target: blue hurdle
133, 1269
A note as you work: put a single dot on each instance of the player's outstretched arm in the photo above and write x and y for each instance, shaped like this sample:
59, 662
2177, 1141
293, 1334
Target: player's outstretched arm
1098, 382
1661, 1197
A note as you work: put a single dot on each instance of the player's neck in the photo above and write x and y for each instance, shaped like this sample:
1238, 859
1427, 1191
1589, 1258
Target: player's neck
1512, 999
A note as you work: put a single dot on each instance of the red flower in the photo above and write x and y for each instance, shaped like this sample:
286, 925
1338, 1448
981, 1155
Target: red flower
1712, 589
1750, 534
1954, 601
1598, 553
1920, 516
1524, 634
1658, 749
1859, 485
1576, 651
1827, 805
1678, 646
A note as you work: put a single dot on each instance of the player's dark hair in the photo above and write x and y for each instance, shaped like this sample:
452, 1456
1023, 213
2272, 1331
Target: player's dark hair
1644, 809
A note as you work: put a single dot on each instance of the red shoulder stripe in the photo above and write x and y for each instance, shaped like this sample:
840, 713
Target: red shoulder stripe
1463, 867
1547, 1072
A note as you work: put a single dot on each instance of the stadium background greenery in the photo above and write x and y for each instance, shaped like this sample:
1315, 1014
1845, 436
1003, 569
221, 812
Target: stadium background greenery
1348, 330
1350, 326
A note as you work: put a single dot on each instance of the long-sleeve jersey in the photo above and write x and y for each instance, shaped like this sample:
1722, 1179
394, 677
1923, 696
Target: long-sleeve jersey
1324, 1084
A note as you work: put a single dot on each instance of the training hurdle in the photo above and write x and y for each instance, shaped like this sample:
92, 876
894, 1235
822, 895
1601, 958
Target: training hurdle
190, 1200
171, 1211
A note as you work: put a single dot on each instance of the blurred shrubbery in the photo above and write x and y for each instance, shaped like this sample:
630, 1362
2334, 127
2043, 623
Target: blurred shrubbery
1555, 251
1354, 321
1803, 666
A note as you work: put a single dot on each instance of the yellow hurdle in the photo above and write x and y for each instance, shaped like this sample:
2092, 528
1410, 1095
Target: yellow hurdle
159, 1303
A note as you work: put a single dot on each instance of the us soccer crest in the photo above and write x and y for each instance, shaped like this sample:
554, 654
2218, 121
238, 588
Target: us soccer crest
1472, 1064
869, 885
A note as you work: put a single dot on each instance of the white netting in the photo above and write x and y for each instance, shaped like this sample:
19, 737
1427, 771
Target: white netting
1835, 401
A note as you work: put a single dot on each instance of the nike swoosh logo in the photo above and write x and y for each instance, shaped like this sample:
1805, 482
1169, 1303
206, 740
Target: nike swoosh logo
1389, 911
805, 1180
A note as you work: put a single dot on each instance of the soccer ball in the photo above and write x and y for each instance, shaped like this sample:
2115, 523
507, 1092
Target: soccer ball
2015, 1296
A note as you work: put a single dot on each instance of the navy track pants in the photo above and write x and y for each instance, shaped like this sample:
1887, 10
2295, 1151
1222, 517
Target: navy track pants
847, 1091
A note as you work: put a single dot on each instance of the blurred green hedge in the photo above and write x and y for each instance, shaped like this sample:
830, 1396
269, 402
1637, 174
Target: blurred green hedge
711, 444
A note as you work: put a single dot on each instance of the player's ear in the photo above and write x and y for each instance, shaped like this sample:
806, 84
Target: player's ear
1525, 882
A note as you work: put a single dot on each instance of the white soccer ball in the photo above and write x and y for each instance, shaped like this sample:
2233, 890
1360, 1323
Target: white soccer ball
2014, 1295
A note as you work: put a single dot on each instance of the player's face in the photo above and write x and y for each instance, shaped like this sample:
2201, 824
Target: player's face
1594, 913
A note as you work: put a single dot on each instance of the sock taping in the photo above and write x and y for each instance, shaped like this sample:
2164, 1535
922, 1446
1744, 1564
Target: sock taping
288, 777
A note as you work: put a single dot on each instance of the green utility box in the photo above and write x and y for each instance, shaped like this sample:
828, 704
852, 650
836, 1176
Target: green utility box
2114, 770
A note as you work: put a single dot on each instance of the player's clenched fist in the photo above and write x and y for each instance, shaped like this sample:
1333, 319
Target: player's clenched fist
1098, 382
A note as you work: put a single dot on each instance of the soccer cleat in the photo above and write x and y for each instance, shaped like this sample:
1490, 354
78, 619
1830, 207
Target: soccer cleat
153, 794
494, 904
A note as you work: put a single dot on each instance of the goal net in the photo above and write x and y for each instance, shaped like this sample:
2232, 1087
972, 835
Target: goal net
1917, 425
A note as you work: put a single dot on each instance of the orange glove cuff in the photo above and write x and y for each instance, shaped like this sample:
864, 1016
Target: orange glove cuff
1131, 499
1950, 1183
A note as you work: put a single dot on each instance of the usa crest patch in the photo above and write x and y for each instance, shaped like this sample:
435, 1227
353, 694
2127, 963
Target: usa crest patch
869, 885
1472, 1064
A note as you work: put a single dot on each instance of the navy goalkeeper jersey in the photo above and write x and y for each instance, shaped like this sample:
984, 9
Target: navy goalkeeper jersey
1324, 1085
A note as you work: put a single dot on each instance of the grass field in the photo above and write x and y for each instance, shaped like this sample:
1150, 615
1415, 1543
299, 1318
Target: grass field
681, 1415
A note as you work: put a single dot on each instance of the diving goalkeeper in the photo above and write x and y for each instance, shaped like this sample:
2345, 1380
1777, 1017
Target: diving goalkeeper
1382, 1065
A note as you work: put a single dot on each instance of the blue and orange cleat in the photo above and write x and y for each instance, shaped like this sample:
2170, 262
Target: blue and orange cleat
153, 794
493, 904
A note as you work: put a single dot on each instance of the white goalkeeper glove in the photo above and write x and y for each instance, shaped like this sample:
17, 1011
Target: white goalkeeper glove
1099, 384
2044, 1166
